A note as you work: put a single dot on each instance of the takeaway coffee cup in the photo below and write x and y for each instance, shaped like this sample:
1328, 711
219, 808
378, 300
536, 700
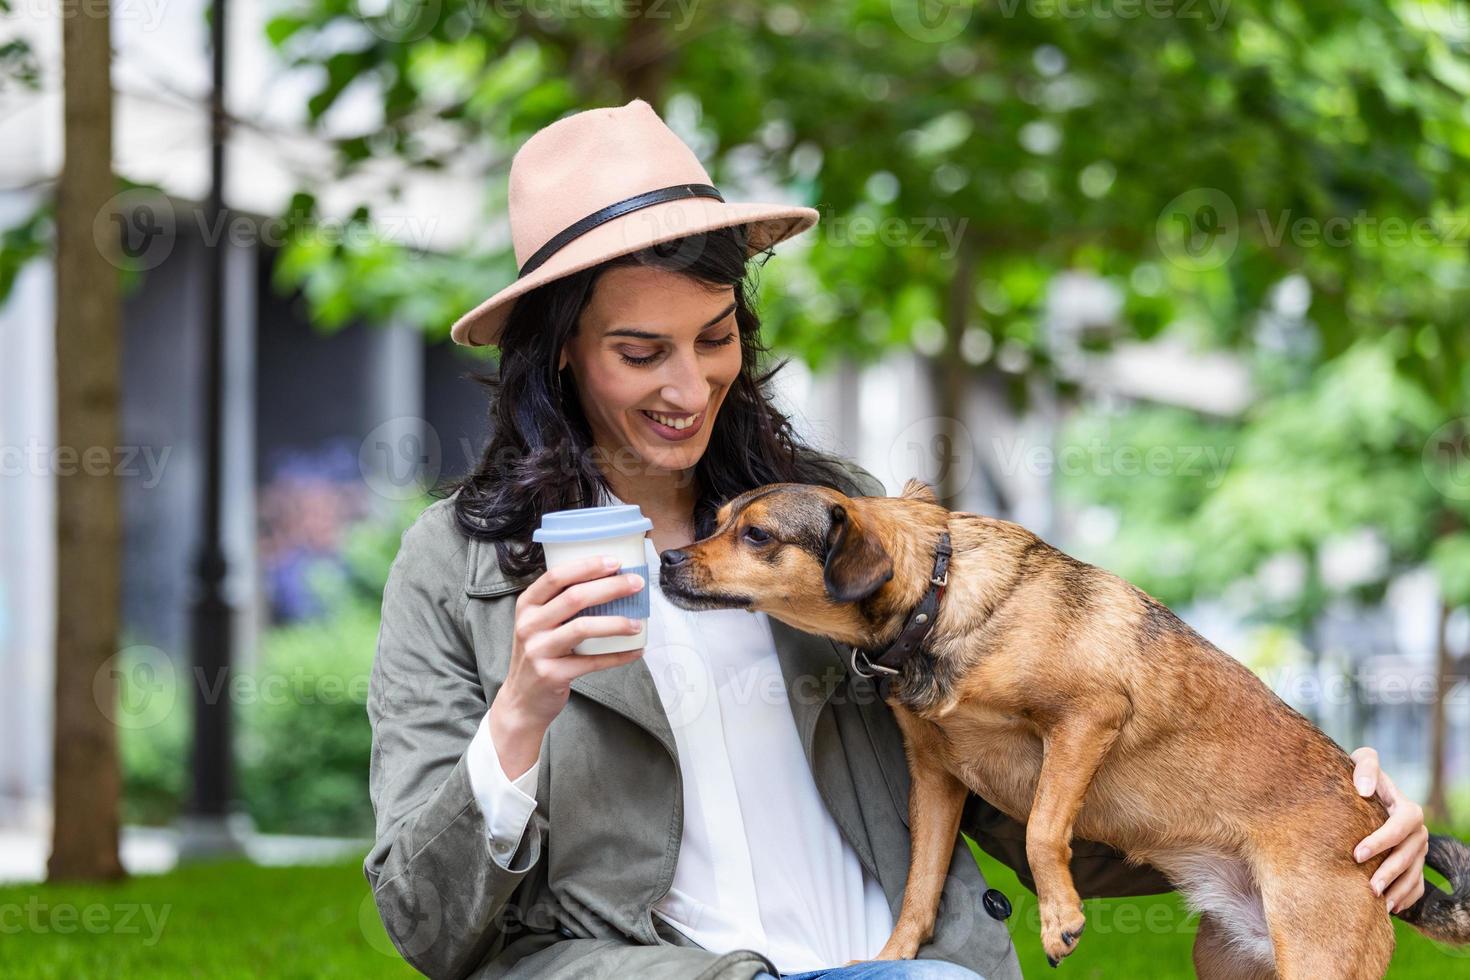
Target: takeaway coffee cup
587, 532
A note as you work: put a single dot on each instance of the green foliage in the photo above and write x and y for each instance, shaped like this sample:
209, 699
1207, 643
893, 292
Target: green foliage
303, 741
1341, 454
1191, 160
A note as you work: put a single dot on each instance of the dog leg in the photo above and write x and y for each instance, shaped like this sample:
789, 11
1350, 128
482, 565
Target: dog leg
936, 799
1215, 958
1326, 924
1074, 749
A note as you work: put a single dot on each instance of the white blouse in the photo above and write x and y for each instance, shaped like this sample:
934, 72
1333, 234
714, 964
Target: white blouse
761, 863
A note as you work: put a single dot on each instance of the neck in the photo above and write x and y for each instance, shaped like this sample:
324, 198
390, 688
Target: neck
665, 497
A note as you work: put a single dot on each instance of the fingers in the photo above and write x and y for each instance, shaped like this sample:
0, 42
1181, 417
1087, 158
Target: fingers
581, 595
557, 578
560, 641
1409, 886
587, 663
1399, 861
1388, 793
1404, 819
1365, 774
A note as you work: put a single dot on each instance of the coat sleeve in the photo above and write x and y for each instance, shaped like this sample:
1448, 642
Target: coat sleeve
442, 887
1099, 871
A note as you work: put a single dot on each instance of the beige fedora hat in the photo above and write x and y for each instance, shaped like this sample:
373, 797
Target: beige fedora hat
603, 183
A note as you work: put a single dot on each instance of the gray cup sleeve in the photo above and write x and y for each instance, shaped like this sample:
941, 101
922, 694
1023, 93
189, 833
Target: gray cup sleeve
635, 605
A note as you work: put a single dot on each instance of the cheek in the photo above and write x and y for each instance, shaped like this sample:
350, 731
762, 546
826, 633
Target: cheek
726, 368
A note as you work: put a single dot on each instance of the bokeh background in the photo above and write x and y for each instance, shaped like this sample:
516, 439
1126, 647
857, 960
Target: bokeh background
1181, 285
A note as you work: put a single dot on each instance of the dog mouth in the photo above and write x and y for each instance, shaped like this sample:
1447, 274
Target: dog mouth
696, 601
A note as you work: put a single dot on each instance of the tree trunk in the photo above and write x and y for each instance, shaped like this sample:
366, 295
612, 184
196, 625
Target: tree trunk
86, 783
950, 374
1436, 807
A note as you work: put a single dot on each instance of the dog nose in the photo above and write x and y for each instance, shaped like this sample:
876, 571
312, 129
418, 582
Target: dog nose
673, 557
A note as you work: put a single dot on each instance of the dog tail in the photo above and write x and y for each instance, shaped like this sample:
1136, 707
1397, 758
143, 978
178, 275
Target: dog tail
1441, 916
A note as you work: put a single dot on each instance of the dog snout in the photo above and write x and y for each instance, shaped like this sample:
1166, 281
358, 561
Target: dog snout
672, 558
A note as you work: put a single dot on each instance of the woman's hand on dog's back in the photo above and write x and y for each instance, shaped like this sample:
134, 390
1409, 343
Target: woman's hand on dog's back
542, 661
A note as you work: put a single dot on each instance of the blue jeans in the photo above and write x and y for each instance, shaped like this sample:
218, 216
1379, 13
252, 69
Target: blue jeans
885, 970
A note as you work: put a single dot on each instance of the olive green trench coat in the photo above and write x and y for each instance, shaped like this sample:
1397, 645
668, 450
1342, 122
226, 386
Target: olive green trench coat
573, 897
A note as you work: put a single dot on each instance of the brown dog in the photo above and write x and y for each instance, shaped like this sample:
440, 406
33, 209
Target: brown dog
1077, 703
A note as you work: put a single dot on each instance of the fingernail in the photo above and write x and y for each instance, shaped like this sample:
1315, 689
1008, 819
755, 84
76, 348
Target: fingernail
1364, 786
1360, 853
609, 562
1377, 887
1390, 905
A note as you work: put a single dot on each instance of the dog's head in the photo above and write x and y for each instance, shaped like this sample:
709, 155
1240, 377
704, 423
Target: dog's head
812, 557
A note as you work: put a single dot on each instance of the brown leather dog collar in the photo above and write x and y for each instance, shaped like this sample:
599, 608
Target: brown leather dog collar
916, 628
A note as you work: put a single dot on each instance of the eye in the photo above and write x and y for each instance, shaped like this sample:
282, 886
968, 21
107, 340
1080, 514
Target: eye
756, 535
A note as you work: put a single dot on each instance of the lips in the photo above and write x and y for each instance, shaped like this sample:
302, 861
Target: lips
670, 433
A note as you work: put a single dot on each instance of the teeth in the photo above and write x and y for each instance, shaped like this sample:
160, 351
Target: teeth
672, 423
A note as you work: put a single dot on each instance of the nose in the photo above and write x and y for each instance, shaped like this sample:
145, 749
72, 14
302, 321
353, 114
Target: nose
672, 557
688, 388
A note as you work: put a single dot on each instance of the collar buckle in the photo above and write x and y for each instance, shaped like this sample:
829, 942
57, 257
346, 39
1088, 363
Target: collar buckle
872, 669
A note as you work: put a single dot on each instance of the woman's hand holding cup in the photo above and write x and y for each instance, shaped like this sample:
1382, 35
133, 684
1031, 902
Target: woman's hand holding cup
543, 662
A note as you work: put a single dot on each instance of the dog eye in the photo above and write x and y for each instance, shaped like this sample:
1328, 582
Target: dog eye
756, 535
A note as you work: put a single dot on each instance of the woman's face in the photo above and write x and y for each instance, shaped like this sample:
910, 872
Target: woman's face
653, 341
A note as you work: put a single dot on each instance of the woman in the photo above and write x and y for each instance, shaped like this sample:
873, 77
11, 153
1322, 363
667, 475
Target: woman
728, 802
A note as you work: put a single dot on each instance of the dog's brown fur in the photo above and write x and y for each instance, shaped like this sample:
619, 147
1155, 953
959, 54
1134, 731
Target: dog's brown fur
1079, 704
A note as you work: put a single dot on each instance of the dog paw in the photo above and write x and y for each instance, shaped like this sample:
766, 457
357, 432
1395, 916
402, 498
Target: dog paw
895, 949
1061, 927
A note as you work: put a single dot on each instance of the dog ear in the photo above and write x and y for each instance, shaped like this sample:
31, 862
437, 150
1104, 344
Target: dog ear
919, 490
856, 566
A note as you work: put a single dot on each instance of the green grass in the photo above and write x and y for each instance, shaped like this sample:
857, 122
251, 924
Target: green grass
231, 919
213, 919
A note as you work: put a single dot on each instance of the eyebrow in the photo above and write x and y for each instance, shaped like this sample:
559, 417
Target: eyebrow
647, 335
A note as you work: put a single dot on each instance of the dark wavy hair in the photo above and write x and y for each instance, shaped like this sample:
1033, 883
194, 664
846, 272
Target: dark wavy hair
541, 457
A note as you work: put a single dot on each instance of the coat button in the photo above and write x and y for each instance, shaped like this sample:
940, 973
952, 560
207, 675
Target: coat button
996, 903
564, 931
